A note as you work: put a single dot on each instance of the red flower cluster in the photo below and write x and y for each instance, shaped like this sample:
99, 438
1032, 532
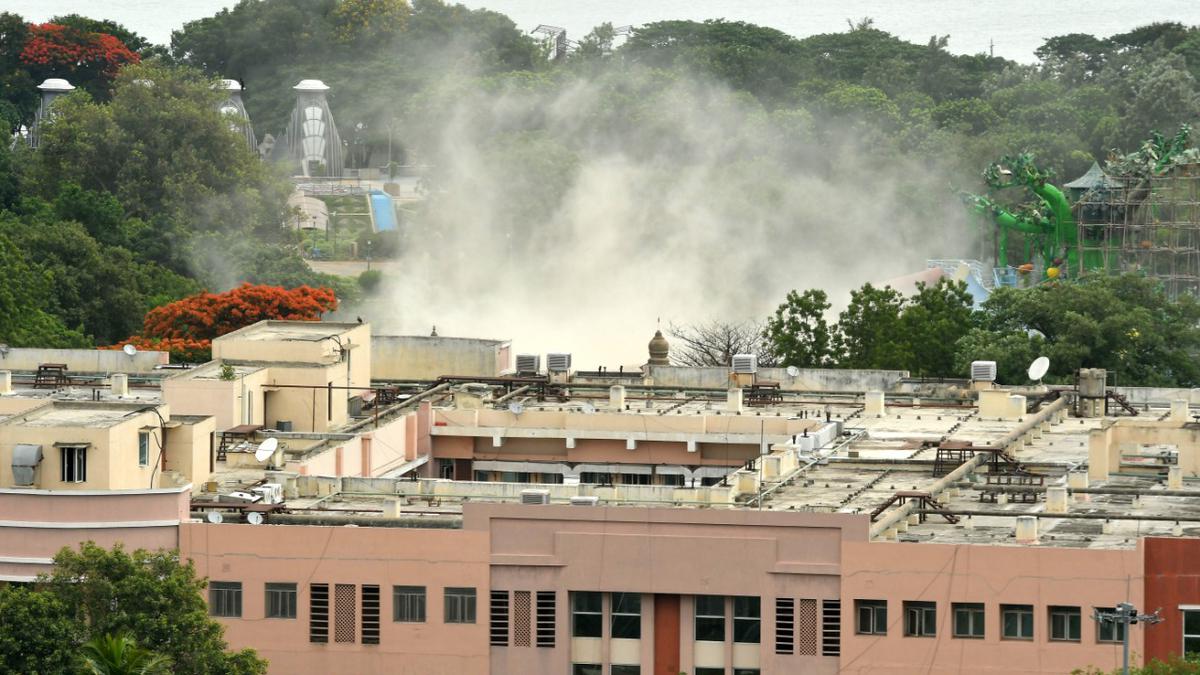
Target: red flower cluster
56, 45
187, 327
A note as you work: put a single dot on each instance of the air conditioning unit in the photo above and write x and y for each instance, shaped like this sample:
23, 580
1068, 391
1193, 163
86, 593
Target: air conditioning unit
745, 364
558, 363
983, 371
529, 364
272, 493
585, 500
535, 496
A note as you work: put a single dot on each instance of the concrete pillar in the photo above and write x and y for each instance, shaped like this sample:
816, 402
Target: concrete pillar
734, 401
119, 384
1098, 464
1056, 499
1076, 480
968, 523
1175, 478
391, 508
1027, 530
616, 397
5, 382
875, 404
1177, 530
1106, 527
890, 534
914, 519
1002, 498
993, 404
1179, 410
902, 525
1016, 407
770, 467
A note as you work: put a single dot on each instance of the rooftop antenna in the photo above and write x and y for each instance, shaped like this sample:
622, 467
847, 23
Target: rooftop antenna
266, 449
1039, 368
129, 350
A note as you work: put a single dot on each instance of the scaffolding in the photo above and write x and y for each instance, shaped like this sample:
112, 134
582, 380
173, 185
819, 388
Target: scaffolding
1144, 225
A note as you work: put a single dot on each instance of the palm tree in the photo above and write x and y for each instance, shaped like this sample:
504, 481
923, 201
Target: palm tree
119, 655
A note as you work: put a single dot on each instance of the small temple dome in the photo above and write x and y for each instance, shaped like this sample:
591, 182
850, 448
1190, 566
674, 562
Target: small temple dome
659, 350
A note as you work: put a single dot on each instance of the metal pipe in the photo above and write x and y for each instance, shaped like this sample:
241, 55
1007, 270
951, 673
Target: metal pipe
1068, 515
515, 392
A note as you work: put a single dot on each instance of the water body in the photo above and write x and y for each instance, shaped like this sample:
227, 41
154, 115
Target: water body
1012, 28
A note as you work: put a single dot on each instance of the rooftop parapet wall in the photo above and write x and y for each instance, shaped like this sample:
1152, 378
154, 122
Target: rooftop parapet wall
567, 422
83, 360
808, 379
419, 357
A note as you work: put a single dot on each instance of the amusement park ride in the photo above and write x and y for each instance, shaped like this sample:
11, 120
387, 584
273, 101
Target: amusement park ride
1142, 215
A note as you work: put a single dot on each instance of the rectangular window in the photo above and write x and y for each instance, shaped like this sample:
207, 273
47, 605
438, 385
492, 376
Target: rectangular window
746, 671
747, 619
785, 626
710, 671
370, 614
920, 619
968, 619
1109, 631
1016, 622
408, 604
318, 613
871, 617
625, 670
143, 448
74, 463
587, 615
710, 618
546, 619
281, 601
498, 619
460, 605
626, 616
1066, 623
1191, 632
585, 669
831, 628
225, 598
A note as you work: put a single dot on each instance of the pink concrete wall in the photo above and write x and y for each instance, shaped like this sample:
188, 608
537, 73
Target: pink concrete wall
255, 555
993, 575
35, 524
591, 451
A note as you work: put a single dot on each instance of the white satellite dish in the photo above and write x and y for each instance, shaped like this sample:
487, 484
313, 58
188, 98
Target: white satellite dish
1039, 368
589, 409
214, 517
129, 350
254, 518
793, 371
266, 449
516, 407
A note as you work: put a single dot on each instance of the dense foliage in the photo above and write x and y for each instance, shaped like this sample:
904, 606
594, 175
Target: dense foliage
101, 596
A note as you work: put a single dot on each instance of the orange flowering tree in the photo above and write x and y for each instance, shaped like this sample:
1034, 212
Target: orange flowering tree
186, 328
82, 56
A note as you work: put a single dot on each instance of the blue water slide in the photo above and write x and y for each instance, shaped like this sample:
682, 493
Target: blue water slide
383, 212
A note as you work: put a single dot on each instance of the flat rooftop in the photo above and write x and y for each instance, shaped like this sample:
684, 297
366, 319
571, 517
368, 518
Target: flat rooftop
77, 414
307, 331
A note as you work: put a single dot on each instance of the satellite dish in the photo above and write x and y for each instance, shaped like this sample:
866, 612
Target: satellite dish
266, 449
589, 409
214, 518
129, 350
1039, 368
254, 518
793, 371
516, 407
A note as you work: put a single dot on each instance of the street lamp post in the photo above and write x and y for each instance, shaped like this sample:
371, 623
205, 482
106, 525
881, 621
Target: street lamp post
1125, 615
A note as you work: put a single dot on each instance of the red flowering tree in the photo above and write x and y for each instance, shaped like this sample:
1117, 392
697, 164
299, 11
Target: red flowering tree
187, 327
88, 59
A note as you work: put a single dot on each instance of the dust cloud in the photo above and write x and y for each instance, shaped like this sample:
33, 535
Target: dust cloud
575, 214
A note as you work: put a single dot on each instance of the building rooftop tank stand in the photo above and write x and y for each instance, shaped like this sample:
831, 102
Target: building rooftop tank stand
312, 143
51, 89
233, 108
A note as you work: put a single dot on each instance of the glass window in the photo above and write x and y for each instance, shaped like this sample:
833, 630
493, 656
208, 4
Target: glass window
585, 669
460, 605
225, 598
143, 448
1191, 632
1109, 631
746, 671
625, 670
920, 619
74, 464
587, 615
1065, 623
1016, 622
408, 604
710, 618
968, 619
710, 671
872, 616
747, 619
627, 616
281, 601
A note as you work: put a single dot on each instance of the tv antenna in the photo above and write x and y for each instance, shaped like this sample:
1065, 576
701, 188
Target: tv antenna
129, 350
266, 449
1039, 368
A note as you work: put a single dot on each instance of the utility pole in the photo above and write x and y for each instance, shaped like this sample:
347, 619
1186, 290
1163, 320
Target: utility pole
1125, 615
